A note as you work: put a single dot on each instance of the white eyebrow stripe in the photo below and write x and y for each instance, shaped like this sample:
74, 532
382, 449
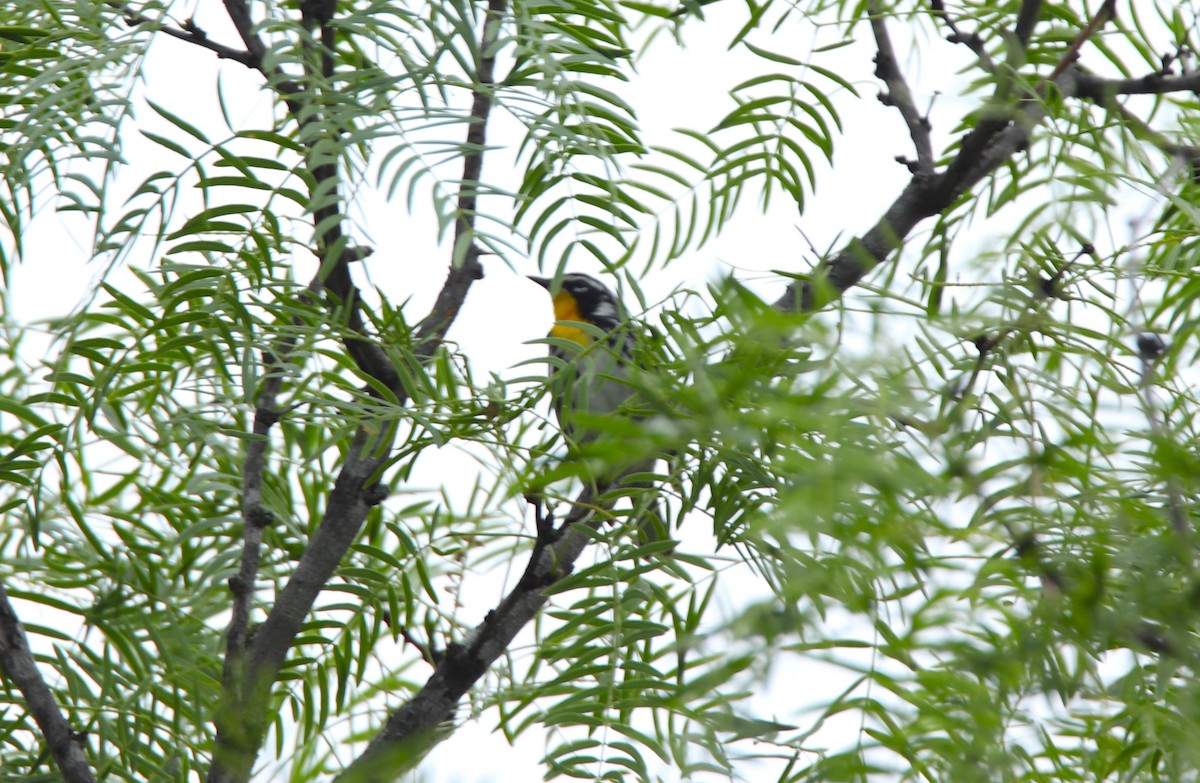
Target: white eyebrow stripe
605, 309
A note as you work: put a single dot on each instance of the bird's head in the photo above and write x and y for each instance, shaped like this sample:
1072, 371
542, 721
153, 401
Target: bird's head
581, 299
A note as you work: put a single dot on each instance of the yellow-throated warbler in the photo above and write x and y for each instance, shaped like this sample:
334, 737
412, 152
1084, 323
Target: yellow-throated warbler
593, 360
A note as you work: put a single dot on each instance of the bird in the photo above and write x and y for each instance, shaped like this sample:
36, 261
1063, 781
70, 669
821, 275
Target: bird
593, 368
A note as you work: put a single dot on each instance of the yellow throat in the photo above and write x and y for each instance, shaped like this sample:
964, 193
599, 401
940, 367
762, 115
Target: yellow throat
567, 309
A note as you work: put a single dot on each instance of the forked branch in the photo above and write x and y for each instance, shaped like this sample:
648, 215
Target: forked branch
253, 669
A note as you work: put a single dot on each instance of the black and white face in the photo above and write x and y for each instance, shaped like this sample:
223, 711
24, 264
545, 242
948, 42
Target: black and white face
595, 301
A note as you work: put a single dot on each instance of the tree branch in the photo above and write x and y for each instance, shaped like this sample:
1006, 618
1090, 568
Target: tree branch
255, 517
460, 667
1015, 54
1026, 20
923, 197
992, 142
251, 56
345, 512
190, 33
242, 723
18, 665
239, 14
1101, 16
1100, 92
252, 670
465, 268
898, 94
251, 666
318, 14
1098, 88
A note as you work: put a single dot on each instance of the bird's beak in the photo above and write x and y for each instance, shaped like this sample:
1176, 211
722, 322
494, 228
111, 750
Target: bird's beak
544, 282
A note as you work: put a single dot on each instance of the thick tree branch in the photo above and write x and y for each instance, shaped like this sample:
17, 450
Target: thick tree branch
250, 670
251, 667
244, 717
18, 666
923, 197
898, 94
352, 497
318, 14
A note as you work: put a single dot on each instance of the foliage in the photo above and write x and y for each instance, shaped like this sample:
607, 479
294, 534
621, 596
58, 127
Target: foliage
935, 503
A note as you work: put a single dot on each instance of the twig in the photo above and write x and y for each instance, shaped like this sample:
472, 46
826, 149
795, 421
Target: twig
18, 665
972, 41
988, 344
546, 536
190, 33
898, 93
251, 56
427, 652
1097, 21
